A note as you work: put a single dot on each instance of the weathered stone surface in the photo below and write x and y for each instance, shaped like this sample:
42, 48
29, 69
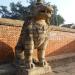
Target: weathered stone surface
36, 71
7, 69
34, 35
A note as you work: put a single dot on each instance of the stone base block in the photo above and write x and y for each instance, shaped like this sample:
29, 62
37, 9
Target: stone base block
36, 71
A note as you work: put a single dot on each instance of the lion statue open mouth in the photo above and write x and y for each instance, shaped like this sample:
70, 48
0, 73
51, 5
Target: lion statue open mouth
34, 35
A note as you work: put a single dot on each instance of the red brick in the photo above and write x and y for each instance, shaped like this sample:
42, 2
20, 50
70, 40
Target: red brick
59, 42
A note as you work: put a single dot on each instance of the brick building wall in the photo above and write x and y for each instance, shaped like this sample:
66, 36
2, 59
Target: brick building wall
59, 42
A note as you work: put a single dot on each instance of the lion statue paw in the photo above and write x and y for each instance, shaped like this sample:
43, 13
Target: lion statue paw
43, 63
29, 65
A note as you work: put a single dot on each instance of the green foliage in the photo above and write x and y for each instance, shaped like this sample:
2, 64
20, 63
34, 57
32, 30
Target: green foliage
34, 1
60, 20
3, 10
56, 19
18, 11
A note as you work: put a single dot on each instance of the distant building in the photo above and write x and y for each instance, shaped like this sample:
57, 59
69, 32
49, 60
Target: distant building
73, 26
68, 25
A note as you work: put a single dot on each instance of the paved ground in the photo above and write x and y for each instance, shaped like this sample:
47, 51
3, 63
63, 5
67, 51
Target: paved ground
64, 67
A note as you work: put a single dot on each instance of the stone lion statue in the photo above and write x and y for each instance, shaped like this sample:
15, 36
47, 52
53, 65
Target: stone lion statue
34, 35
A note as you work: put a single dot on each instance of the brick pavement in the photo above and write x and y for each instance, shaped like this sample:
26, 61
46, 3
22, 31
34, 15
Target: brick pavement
64, 67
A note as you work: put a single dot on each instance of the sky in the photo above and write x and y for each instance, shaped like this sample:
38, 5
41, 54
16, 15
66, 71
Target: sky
65, 7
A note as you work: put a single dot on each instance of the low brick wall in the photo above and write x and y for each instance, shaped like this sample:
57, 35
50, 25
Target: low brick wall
8, 39
59, 42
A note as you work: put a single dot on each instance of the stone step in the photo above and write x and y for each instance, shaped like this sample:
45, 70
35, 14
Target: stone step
9, 69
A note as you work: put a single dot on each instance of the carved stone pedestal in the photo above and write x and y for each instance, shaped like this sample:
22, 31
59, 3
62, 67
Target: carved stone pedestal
36, 71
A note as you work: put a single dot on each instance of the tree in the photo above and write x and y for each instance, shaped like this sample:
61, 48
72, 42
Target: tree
34, 1
60, 20
56, 19
3, 10
18, 11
